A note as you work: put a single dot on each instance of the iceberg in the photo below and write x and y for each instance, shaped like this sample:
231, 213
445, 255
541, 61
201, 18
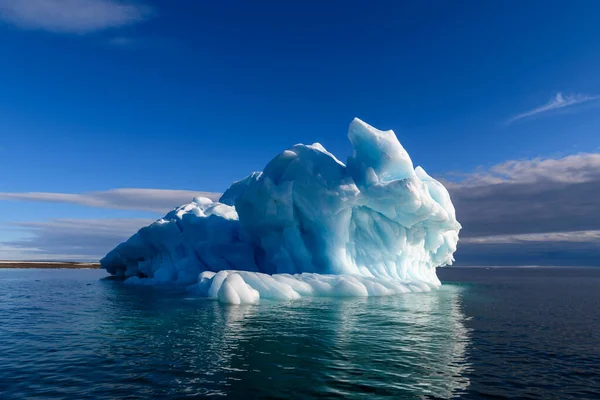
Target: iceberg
307, 225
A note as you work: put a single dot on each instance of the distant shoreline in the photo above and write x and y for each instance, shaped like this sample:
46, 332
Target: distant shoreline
48, 265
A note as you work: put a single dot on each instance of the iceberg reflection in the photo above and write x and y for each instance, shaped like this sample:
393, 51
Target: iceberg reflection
400, 346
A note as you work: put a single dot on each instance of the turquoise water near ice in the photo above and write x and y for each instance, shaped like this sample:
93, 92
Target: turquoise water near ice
527, 333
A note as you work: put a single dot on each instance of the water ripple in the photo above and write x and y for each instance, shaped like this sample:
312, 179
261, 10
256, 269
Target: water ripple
72, 335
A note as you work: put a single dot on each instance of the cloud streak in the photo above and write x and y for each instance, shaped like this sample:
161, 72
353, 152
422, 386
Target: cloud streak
70, 239
153, 200
123, 41
557, 102
571, 237
577, 168
72, 16
531, 196
530, 212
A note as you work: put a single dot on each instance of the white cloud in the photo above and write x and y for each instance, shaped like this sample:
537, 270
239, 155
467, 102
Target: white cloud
542, 211
577, 168
72, 16
76, 239
123, 41
557, 102
530, 196
154, 200
574, 237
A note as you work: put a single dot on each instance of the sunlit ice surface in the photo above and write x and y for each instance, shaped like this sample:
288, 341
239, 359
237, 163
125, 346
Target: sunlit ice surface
307, 225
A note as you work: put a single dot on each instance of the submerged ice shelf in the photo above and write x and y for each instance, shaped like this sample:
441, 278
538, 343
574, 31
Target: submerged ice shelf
307, 225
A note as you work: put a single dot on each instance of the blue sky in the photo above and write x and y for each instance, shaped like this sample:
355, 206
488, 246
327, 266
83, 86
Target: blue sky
98, 95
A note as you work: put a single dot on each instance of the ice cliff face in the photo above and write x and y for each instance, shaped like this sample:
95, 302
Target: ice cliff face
306, 225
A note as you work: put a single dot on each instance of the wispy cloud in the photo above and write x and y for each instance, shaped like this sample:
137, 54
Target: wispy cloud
78, 239
573, 237
542, 211
154, 200
20, 253
576, 249
123, 41
530, 196
140, 43
557, 102
72, 16
576, 168
69, 239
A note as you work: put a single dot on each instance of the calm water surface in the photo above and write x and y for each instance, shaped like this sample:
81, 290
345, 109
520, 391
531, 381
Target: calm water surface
488, 333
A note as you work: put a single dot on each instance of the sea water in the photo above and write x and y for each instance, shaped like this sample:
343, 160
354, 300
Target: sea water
508, 333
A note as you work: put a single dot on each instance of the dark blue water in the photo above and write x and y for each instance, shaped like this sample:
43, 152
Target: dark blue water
489, 333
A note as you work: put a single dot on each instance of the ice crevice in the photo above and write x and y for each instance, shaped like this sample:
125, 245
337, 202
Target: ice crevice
307, 225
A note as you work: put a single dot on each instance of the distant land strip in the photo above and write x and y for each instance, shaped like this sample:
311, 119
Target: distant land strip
48, 264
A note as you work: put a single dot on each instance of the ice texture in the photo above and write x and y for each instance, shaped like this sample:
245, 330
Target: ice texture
307, 225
